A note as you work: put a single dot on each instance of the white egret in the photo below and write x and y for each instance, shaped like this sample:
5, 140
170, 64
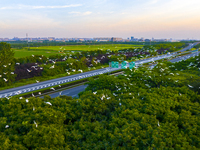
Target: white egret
48, 103
35, 124
190, 86
52, 88
5, 79
158, 124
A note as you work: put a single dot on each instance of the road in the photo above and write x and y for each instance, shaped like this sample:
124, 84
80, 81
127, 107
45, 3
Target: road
50, 83
185, 57
73, 92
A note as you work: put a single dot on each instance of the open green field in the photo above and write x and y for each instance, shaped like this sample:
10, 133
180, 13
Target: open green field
52, 50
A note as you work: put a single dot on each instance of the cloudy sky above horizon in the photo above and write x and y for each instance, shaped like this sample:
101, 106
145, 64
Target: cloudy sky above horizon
100, 18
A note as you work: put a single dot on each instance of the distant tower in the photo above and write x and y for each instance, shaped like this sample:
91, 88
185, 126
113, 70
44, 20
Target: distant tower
27, 36
27, 39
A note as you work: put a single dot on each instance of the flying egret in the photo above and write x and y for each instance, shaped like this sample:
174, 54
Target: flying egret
52, 67
7, 126
5, 79
52, 88
28, 70
190, 86
35, 124
48, 103
158, 124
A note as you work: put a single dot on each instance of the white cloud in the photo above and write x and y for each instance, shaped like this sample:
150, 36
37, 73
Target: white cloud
81, 13
39, 7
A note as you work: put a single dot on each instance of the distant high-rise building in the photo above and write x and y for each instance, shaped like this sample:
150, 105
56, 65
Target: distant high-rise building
132, 38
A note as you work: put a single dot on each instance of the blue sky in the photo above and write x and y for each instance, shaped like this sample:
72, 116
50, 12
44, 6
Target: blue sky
100, 18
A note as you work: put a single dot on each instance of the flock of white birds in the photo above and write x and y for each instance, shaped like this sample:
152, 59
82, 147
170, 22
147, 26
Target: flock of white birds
104, 96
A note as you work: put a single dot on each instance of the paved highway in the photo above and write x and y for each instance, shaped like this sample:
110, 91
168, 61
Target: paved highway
50, 83
73, 92
180, 58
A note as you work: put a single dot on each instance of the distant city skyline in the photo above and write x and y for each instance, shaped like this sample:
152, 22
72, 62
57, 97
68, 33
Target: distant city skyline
176, 19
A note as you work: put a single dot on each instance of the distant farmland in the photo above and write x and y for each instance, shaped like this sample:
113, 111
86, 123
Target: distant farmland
52, 50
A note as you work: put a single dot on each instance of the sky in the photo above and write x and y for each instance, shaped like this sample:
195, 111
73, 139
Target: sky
177, 19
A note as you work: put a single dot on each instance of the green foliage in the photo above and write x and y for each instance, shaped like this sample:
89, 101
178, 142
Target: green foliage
7, 64
171, 47
142, 109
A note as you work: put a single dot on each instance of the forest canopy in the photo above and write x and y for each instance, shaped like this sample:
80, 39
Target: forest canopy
143, 109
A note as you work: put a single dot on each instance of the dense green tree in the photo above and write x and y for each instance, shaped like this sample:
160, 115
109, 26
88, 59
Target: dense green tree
7, 64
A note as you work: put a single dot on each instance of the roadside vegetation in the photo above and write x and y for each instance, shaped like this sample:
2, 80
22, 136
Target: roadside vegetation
197, 46
36, 68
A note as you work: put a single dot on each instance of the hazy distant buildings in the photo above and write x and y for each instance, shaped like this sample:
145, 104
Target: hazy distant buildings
115, 39
102, 39
147, 40
51, 38
98, 39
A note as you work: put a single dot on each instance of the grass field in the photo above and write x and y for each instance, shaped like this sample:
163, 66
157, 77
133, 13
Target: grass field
52, 50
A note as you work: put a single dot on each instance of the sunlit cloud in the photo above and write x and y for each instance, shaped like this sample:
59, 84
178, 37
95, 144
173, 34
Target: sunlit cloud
39, 7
